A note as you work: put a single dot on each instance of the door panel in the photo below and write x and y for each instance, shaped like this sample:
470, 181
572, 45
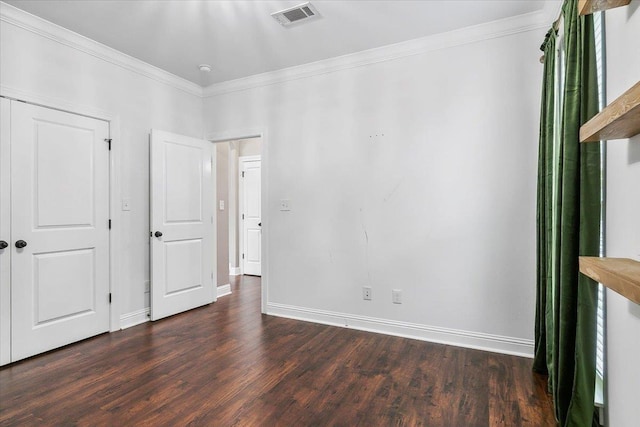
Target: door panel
63, 155
251, 205
73, 271
60, 208
183, 183
184, 265
182, 200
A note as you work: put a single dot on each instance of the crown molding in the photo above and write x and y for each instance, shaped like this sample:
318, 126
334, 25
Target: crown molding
495, 29
490, 30
14, 16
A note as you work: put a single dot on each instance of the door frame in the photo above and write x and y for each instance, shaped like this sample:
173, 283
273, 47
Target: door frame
246, 133
115, 190
240, 242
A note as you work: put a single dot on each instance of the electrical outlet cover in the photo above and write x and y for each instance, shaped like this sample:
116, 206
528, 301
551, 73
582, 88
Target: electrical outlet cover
396, 296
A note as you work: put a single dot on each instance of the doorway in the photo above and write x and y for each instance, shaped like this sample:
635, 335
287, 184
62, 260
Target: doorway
238, 235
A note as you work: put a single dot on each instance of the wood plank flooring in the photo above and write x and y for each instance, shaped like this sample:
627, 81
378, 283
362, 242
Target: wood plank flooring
228, 365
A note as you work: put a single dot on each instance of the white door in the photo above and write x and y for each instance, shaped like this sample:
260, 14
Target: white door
5, 233
251, 217
182, 224
59, 228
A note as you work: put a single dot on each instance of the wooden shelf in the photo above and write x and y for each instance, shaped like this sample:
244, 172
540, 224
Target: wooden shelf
619, 274
585, 7
620, 119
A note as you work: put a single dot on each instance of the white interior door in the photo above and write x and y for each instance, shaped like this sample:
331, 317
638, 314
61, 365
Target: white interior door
182, 224
59, 228
5, 233
251, 217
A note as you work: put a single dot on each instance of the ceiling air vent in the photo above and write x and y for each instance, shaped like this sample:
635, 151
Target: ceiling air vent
299, 13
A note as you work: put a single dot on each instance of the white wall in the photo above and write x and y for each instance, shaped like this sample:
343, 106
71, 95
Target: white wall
623, 221
222, 216
35, 64
416, 173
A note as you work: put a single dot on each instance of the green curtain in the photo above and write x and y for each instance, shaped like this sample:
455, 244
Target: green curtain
569, 221
545, 201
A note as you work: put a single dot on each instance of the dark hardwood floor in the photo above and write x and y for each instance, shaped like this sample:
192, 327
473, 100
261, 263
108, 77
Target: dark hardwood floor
228, 365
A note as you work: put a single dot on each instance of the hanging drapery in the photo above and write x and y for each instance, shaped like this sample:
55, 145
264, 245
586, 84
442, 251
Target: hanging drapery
569, 221
545, 201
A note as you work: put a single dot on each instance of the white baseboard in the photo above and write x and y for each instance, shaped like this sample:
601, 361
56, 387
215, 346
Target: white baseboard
234, 271
224, 290
134, 318
476, 340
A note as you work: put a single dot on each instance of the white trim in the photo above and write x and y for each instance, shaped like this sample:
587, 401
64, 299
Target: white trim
468, 339
234, 271
224, 290
19, 18
234, 135
55, 103
490, 30
134, 318
114, 182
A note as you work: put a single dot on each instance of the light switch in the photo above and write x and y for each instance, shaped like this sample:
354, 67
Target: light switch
221, 205
285, 205
126, 204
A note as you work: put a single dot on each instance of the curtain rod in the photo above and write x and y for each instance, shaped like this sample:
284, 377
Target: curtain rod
555, 26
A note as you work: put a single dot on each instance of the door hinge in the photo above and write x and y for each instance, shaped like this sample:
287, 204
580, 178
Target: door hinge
242, 216
109, 224
242, 256
243, 174
109, 297
108, 141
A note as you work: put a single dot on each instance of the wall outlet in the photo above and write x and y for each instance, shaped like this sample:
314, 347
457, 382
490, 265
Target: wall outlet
396, 296
366, 293
221, 205
126, 204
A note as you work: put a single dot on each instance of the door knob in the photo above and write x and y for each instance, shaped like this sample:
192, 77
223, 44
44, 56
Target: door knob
21, 244
3, 244
259, 224
158, 234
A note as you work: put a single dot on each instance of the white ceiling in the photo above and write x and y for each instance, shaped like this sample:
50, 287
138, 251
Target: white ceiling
240, 38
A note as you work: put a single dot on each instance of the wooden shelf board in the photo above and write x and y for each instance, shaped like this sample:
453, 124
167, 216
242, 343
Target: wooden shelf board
585, 7
620, 119
619, 274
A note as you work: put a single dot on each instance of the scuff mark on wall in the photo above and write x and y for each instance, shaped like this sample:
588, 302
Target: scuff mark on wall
392, 192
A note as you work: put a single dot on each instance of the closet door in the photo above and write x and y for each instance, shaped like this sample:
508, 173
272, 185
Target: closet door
5, 233
59, 231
